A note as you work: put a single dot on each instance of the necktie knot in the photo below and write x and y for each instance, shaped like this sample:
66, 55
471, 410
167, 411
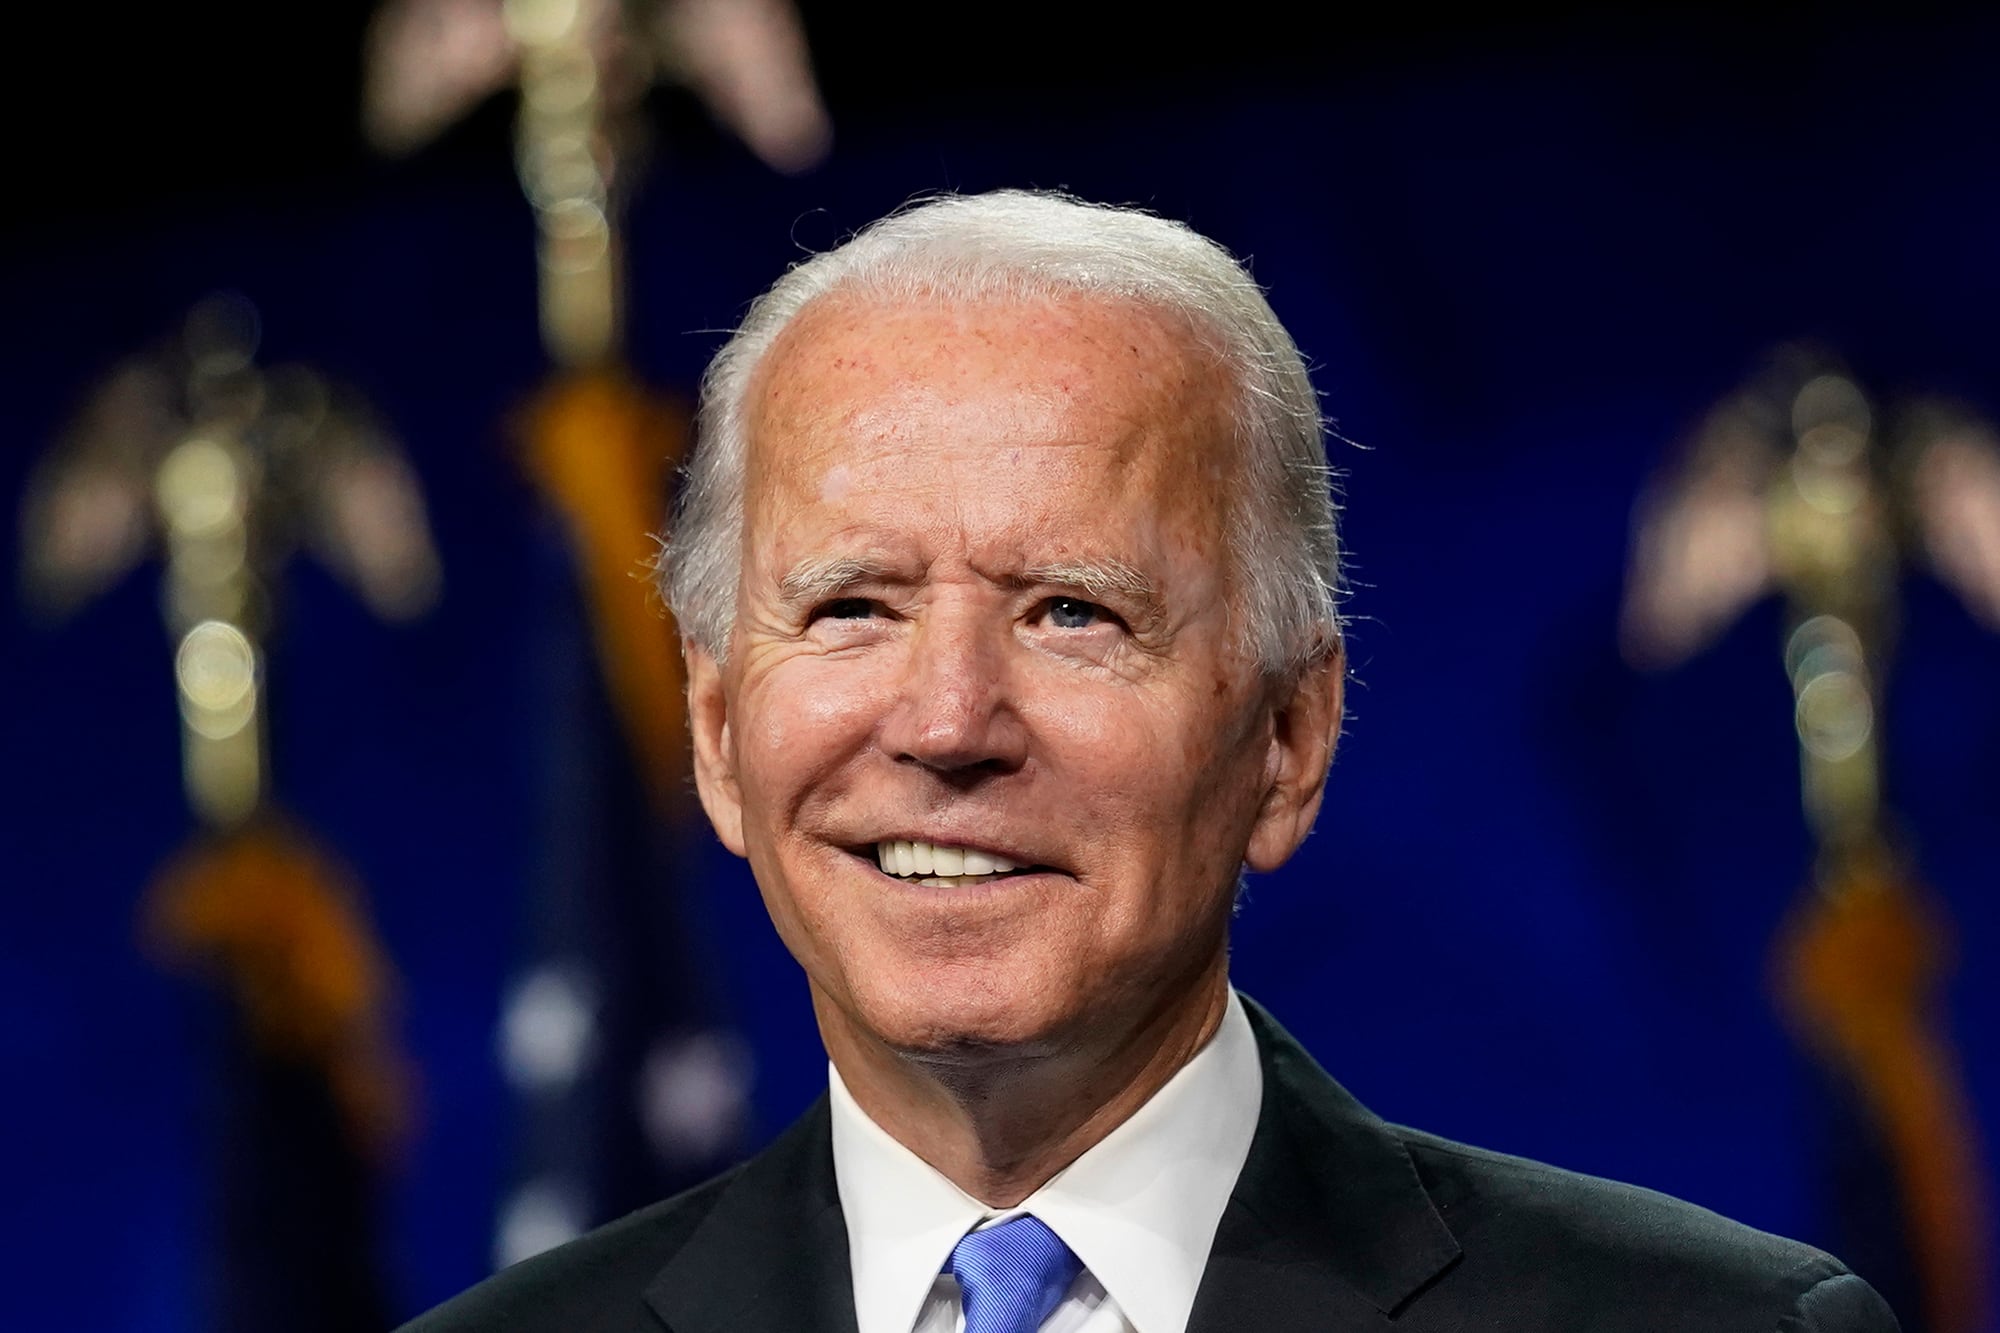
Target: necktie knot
1011, 1276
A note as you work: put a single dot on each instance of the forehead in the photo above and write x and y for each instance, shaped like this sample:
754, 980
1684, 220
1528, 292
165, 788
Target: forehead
1091, 385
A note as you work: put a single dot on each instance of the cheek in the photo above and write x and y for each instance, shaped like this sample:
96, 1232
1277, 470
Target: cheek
1150, 760
811, 716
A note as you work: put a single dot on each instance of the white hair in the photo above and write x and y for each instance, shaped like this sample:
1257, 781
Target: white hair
1024, 245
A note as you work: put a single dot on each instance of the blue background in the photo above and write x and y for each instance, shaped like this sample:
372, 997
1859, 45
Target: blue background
1537, 910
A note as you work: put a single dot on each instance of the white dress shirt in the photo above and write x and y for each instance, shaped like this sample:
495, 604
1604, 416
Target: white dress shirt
1139, 1209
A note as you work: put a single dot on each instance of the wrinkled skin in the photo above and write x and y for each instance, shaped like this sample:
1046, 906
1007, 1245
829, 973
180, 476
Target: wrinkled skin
985, 600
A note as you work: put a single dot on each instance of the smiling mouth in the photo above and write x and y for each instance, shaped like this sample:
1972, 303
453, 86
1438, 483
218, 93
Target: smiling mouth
942, 866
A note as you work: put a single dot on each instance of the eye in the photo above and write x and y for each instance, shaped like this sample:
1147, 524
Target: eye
1075, 613
846, 608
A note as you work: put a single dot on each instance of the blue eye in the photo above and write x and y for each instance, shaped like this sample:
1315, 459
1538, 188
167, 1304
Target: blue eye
846, 608
1074, 613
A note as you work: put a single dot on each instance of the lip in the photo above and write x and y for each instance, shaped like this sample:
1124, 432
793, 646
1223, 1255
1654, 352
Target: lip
973, 902
1029, 873
1028, 861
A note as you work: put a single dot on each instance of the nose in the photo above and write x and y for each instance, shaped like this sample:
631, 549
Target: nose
954, 713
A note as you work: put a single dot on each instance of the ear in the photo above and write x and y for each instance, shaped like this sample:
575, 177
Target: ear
714, 754
1304, 729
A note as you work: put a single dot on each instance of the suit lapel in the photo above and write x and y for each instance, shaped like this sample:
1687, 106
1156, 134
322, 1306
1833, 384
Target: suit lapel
771, 1256
1329, 1226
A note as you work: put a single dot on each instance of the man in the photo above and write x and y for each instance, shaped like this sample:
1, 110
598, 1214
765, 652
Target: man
1006, 566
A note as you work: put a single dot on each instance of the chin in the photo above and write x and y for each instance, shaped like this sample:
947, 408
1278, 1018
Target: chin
947, 1016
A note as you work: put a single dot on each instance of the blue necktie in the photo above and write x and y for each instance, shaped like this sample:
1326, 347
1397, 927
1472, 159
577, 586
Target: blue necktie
1012, 1275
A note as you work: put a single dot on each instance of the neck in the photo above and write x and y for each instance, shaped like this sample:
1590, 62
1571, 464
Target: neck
999, 1127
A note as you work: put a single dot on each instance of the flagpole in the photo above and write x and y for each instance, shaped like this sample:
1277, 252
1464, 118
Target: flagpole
227, 468
1790, 488
627, 1083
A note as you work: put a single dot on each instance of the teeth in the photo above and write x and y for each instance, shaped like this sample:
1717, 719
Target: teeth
943, 866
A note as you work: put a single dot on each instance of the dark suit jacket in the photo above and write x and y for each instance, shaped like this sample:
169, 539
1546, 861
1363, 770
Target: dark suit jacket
1339, 1222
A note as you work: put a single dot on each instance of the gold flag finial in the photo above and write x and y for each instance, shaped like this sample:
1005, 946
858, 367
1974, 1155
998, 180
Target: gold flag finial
599, 445
227, 467
582, 67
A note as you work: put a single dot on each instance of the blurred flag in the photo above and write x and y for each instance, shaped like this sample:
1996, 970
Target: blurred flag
1787, 488
629, 1086
316, 1105
229, 468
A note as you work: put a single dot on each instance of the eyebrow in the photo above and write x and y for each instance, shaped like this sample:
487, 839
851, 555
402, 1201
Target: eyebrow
818, 578
1098, 576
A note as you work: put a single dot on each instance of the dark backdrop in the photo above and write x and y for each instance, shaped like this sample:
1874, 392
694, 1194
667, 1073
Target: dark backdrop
1523, 255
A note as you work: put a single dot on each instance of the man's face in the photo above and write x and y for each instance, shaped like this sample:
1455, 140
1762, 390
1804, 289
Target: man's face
985, 614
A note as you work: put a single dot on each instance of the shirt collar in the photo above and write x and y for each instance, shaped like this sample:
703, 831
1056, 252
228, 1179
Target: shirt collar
1140, 1208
